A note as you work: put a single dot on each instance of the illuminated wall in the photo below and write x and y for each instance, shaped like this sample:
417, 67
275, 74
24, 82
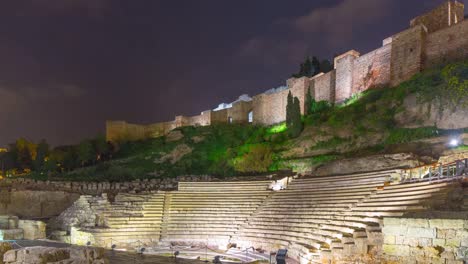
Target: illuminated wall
437, 37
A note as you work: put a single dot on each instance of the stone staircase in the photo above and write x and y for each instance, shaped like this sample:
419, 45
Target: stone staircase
131, 219
211, 212
323, 217
316, 218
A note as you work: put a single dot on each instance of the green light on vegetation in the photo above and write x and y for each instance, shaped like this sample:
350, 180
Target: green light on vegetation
277, 128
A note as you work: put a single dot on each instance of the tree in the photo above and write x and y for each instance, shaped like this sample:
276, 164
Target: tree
315, 69
85, 152
289, 110
41, 156
293, 116
308, 103
101, 148
326, 66
296, 127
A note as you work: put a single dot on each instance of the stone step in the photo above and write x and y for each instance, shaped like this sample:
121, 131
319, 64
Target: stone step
320, 189
347, 176
399, 198
311, 185
306, 222
401, 208
290, 230
281, 240
408, 188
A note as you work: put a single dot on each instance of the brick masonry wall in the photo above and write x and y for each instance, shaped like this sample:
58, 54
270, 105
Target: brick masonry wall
372, 69
447, 45
423, 240
407, 50
323, 87
270, 108
344, 75
220, 116
239, 112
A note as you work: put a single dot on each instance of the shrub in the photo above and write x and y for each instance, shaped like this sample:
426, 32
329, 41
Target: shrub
257, 159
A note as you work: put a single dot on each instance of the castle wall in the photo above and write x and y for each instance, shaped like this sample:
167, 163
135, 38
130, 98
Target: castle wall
220, 116
436, 37
407, 50
372, 69
447, 45
239, 112
270, 108
344, 75
323, 87
204, 119
445, 15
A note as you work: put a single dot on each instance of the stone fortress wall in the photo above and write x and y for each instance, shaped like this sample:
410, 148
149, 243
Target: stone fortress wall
433, 38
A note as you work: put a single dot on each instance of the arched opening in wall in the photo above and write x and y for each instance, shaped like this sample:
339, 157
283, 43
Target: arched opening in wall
230, 120
250, 116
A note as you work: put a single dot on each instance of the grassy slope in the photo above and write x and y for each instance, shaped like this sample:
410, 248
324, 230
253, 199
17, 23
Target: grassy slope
362, 126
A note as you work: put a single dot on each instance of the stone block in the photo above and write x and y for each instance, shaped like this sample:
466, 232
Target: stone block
446, 233
452, 242
447, 255
394, 230
424, 242
438, 242
464, 242
447, 223
454, 261
389, 221
396, 250
389, 240
11, 234
415, 222
33, 229
419, 232
9, 256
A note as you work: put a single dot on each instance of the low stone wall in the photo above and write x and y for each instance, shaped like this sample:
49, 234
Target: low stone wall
39, 255
34, 203
32, 229
425, 240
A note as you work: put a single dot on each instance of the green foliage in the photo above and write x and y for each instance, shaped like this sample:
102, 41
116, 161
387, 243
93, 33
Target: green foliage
317, 107
256, 158
277, 128
405, 135
293, 116
334, 142
311, 67
41, 156
447, 86
308, 102
85, 152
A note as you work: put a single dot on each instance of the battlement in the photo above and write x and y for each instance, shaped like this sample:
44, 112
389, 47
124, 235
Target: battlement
437, 37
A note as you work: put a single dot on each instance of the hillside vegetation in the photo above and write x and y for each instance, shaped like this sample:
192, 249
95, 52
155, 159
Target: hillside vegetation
369, 123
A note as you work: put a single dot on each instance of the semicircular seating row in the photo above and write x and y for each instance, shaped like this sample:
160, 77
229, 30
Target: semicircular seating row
315, 217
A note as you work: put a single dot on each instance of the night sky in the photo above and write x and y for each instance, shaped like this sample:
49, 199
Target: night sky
66, 66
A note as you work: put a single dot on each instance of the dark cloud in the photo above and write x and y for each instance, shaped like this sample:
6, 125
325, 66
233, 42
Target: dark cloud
337, 23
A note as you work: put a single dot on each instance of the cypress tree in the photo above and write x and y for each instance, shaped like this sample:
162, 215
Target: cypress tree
308, 103
289, 110
293, 116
